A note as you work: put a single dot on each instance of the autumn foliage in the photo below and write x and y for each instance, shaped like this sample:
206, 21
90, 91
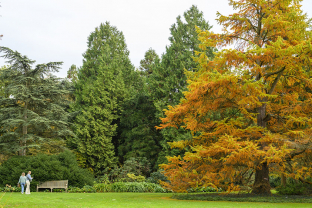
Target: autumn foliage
249, 109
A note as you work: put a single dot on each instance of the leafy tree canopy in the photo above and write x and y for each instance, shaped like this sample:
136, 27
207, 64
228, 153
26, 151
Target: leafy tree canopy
249, 108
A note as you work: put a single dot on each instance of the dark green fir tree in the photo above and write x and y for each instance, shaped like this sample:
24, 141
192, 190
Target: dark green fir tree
102, 86
32, 105
168, 81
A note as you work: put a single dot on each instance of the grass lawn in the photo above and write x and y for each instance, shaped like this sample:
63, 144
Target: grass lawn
124, 200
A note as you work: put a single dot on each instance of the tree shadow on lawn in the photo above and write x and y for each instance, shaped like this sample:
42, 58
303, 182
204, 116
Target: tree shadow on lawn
273, 198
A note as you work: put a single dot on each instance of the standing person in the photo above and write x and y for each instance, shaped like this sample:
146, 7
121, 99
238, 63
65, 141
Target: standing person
28, 180
22, 182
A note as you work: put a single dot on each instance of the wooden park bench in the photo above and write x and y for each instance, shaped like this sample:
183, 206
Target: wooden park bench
53, 184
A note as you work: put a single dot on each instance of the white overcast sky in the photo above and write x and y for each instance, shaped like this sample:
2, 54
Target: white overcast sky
57, 30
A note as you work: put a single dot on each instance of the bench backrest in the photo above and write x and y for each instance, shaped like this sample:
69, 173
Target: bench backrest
54, 184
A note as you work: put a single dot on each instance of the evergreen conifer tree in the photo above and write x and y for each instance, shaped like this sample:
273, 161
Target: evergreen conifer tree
137, 136
32, 107
168, 81
102, 85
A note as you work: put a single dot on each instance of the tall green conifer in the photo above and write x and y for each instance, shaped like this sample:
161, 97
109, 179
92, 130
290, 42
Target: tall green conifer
102, 86
32, 107
137, 134
168, 81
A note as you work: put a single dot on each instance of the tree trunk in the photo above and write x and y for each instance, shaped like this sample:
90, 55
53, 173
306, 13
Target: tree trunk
262, 184
22, 151
283, 179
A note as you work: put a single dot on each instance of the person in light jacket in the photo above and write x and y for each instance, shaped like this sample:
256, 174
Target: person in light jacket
28, 180
22, 182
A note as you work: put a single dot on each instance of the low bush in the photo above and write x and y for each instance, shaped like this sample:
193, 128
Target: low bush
72, 189
63, 166
133, 178
55, 190
156, 177
139, 166
275, 181
10, 189
102, 187
138, 187
295, 189
102, 179
152, 187
88, 189
119, 187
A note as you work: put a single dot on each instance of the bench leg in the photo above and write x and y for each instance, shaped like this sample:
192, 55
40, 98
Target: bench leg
51, 190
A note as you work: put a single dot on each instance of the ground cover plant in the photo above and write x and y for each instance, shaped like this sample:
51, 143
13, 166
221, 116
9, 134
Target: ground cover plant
121, 200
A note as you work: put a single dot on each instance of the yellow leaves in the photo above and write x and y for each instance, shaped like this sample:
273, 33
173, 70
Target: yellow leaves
232, 187
194, 171
179, 144
296, 123
296, 134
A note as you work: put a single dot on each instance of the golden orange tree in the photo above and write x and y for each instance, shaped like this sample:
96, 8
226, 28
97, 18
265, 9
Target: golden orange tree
249, 109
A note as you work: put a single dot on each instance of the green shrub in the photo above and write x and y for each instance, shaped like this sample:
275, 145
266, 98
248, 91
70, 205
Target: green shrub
138, 166
153, 187
55, 190
103, 179
88, 189
295, 187
102, 187
119, 187
10, 189
275, 181
150, 187
133, 178
160, 189
136, 187
84, 189
72, 189
63, 166
292, 189
156, 177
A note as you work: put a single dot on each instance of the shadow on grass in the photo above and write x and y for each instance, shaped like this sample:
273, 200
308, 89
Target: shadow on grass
274, 198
